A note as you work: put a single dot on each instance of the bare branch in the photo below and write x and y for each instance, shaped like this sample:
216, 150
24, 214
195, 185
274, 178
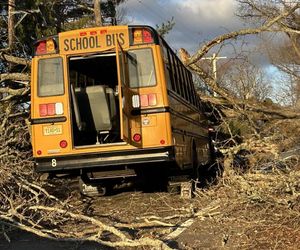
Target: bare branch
15, 60
14, 77
267, 27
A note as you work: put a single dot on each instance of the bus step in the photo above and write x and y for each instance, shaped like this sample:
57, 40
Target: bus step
114, 174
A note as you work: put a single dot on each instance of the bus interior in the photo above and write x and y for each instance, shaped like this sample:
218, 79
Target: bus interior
94, 99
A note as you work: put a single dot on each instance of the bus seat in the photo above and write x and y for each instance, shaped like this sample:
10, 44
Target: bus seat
80, 123
99, 108
112, 106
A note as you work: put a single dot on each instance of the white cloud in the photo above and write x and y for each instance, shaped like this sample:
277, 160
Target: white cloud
210, 9
195, 20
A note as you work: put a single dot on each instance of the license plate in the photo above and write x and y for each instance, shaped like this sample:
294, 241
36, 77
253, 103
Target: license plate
52, 130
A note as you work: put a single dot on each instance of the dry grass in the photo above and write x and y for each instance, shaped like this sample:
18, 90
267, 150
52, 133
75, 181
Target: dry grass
259, 208
252, 207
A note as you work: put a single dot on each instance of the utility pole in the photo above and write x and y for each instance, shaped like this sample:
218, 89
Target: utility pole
214, 58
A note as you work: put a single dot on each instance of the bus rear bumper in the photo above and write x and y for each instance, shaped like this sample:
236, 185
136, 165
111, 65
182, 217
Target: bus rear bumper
103, 159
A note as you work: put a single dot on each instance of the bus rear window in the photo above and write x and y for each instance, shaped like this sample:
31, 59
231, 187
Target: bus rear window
141, 68
50, 77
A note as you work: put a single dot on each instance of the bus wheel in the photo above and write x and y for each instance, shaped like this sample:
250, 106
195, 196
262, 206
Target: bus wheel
91, 189
210, 173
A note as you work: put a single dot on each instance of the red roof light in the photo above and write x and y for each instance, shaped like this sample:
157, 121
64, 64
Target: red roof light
142, 35
147, 36
47, 46
41, 48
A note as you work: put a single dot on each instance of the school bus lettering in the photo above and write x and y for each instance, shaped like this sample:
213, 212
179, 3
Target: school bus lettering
80, 43
112, 38
92, 42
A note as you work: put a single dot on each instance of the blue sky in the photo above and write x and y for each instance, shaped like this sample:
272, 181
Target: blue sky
196, 20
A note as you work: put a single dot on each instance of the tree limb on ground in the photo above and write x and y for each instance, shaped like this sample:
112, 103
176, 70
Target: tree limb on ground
124, 240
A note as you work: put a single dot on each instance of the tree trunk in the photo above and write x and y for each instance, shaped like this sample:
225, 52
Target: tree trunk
11, 23
97, 12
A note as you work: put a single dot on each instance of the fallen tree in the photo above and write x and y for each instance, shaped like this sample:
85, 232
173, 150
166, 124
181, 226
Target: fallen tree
26, 202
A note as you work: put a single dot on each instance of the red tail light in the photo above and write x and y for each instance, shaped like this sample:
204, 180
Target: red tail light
43, 109
147, 36
152, 99
63, 144
137, 137
144, 100
50, 109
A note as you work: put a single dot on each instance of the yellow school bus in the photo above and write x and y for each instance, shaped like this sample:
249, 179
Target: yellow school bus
106, 102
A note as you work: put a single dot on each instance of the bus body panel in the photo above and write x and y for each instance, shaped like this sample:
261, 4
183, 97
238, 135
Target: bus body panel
186, 130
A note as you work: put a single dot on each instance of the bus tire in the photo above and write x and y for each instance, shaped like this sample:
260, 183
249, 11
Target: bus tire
210, 173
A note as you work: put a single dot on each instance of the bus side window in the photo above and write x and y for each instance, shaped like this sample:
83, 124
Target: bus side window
183, 81
167, 67
174, 78
168, 77
194, 92
179, 78
189, 86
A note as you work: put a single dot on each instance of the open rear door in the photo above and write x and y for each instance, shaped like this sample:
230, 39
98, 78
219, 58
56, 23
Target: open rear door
124, 93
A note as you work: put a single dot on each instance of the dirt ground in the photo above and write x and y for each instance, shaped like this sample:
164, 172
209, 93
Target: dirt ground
249, 211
